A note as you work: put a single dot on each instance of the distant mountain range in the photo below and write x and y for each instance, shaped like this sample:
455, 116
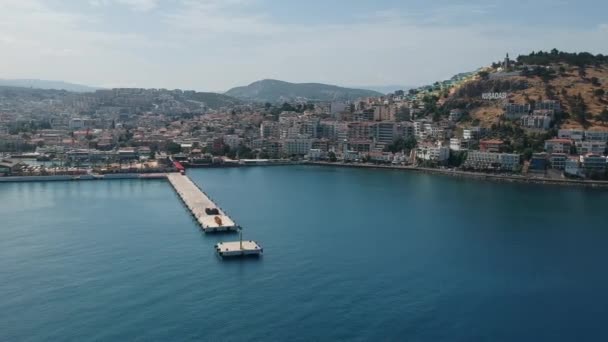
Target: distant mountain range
279, 91
387, 89
44, 84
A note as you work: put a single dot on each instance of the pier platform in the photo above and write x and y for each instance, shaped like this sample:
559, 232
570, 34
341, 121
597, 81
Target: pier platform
210, 217
239, 248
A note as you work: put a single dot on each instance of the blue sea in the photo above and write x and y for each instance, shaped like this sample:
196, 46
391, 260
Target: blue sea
350, 255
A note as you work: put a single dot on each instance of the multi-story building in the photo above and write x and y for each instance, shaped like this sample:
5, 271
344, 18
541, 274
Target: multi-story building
361, 145
491, 145
595, 147
472, 133
233, 140
593, 163
550, 105
596, 136
431, 152
456, 115
297, 146
459, 144
480, 160
541, 122
514, 111
558, 160
572, 167
558, 145
572, 134
269, 130
385, 132
360, 130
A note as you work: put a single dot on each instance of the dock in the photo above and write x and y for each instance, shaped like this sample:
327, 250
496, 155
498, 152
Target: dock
210, 217
238, 249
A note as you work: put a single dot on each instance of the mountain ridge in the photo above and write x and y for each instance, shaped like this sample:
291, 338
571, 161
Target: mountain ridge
47, 84
271, 90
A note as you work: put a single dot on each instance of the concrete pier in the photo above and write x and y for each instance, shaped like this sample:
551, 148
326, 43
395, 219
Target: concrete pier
199, 205
238, 248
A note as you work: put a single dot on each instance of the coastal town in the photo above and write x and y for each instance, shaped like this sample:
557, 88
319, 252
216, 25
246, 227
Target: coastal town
141, 130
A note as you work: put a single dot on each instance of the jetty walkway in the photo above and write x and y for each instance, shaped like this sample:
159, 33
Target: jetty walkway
211, 217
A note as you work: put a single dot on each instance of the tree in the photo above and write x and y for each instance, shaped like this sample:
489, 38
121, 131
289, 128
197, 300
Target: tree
599, 92
174, 148
604, 115
484, 75
332, 157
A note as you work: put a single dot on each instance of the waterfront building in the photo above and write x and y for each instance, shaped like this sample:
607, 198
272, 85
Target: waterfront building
351, 156
317, 154
480, 160
572, 167
558, 160
297, 146
362, 145
593, 163
431, 152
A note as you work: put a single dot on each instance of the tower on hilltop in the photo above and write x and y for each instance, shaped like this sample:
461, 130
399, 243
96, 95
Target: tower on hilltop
507, 63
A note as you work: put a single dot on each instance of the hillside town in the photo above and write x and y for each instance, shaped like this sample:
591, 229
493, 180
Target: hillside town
416, 128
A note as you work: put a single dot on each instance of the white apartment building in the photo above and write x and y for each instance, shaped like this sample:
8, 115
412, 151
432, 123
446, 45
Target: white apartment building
233, 140
536, 121
297, 146
433, 153
596, 136
479, 160
269, 130
572, 134
596, 147
459, 144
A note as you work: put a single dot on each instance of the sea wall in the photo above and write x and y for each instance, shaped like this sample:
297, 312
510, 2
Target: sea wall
475, 175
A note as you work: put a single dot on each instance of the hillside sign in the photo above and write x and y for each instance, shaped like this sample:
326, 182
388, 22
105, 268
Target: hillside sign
494, 96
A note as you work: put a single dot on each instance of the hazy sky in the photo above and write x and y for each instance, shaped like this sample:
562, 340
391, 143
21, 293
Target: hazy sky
217, 44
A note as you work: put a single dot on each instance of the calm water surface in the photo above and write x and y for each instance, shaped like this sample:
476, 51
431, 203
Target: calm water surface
350, 255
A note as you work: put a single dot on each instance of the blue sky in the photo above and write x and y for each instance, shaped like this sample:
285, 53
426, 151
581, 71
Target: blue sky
217, 44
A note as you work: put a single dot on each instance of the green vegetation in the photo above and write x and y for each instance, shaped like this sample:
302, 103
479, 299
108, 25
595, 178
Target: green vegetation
604, 115
274, 91
214, 100
401, 145
554, 56
174, 148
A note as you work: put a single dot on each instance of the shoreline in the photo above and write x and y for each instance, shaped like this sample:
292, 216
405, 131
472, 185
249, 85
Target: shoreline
472, 175
78, 178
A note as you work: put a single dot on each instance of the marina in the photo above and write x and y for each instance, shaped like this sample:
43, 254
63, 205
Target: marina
210, 217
